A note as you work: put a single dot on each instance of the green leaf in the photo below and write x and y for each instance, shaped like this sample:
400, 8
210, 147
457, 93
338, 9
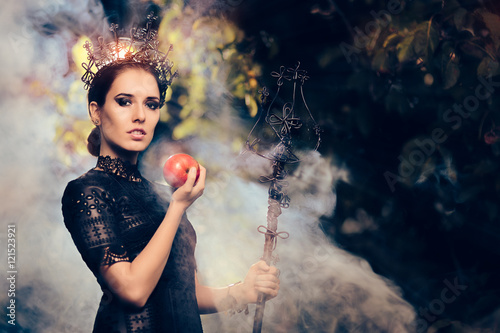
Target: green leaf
426, 40
487, 67
419, 42
459, 18
450, 6
451, 74
432, 39
392, 40
405, 49
492, 22
379, 62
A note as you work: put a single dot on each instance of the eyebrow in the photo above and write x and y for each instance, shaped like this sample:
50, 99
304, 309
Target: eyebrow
131, 96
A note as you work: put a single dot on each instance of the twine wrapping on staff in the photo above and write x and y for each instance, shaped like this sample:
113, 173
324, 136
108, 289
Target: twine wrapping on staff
274, 234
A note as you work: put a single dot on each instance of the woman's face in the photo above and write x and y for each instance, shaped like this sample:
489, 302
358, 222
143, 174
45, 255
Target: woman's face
129, 114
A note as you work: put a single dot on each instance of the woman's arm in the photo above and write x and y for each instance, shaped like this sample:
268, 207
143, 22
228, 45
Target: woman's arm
134, 281
260, 278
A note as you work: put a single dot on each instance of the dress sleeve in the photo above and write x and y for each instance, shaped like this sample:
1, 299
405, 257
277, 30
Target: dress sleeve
88, 216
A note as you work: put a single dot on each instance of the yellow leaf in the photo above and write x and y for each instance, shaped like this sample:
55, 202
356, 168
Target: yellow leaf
79, 53
60, 103
228, 33
237, 144
405, 49
186, 128
251, 104
168, 94
393, 38
82, 127
76, 93
164, 115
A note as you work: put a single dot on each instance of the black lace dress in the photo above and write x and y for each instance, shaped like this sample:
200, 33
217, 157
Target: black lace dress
112, 215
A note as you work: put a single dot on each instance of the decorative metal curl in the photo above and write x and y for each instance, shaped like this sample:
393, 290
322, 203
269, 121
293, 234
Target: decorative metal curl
283, 125
287, 122
298, 74
264, 93
113, 27
88, 76
276, 188
281, 75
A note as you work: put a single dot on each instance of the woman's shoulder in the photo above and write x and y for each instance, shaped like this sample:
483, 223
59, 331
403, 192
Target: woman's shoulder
90, 181
90, 178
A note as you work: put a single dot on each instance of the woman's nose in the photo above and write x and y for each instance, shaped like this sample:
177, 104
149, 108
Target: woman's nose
139, 114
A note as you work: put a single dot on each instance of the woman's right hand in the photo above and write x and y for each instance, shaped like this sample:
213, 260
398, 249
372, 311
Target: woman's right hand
189, 192
135, 281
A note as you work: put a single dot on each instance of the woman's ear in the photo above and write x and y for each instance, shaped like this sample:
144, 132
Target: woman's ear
94, 113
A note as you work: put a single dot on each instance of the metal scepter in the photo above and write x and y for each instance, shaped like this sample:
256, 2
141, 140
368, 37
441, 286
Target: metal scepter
283, 127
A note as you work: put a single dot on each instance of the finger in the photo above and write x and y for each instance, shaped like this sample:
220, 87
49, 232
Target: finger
267, 289
263, 266
266, 279
269, 292
191, 178
271, 284
200, 183
274, 271
271, 271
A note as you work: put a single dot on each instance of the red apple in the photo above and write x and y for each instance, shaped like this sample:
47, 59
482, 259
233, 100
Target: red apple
177, 167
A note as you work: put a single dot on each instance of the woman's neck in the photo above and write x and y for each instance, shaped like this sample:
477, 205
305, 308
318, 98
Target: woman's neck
118, 167
126, 156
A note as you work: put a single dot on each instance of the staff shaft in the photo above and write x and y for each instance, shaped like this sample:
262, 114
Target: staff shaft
273, 211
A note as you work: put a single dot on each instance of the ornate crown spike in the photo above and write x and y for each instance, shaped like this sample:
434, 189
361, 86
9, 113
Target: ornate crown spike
141, 46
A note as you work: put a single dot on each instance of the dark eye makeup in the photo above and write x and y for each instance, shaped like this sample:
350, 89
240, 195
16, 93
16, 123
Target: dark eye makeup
153, 105
123, 101
152, 102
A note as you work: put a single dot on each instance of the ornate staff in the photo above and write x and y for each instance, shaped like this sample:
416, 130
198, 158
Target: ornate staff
280, 128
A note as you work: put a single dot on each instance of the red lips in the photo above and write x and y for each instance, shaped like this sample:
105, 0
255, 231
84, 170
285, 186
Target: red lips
139, 130
137, 134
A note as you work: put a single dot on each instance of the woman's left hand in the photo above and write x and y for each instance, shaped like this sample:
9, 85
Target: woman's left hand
261, 278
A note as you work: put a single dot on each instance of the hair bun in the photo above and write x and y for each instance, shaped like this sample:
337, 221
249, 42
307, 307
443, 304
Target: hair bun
94, 142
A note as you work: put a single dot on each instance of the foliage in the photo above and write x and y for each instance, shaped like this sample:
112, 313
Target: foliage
213, 76
421, 108
212, 71
430, 70
448, 50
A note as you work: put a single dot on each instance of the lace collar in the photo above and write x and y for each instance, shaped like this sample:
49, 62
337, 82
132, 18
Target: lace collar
118, 167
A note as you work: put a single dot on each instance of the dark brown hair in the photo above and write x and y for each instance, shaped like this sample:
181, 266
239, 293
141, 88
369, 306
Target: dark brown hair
100, 87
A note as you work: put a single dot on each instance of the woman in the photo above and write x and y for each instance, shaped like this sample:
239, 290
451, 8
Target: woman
140, 248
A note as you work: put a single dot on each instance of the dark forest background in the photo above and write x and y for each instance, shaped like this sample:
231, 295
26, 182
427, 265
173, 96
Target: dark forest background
438, 218
426, 186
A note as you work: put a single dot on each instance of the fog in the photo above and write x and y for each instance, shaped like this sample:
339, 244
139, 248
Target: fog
323, 288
